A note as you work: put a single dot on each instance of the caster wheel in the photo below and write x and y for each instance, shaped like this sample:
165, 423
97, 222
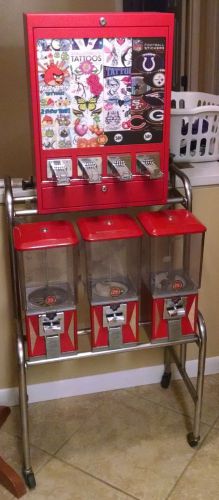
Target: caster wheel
29, 480
193, 442
165, 381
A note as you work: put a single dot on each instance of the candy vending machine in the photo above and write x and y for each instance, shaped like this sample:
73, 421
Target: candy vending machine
171, 272
47, 261
100, 87
113, 247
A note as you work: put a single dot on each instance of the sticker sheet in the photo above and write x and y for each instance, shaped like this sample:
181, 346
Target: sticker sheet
117, 84
97, 92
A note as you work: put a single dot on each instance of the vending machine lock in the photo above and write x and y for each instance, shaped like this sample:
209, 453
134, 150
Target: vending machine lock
174, 311
90, 170
174, 308
114, 315
51, 324
149, 167
61, 171
119, 168
113, 318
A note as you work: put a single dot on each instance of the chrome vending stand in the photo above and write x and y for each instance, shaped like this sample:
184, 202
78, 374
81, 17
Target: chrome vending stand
199, 338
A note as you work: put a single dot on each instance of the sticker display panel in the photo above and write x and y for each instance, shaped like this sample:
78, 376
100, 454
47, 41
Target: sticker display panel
95, 92
100, 88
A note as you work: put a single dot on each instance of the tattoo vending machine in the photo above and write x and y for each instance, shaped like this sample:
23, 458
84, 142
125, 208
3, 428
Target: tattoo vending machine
113, 249
100, 98
47, 260
171, 272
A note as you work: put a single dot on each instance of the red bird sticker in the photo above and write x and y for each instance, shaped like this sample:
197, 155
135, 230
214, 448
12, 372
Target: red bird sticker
54, 74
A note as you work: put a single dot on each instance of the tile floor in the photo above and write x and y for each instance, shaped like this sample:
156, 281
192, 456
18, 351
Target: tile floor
126, 444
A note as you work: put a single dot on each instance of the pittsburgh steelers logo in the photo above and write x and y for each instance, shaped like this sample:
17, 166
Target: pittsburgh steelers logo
159, 79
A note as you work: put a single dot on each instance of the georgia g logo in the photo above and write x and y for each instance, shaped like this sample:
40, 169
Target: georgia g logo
156, 115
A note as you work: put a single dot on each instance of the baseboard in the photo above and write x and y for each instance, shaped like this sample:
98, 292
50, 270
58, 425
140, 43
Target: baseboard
102, 382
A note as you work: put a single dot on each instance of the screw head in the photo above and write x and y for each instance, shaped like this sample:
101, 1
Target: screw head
104, 188
102, 21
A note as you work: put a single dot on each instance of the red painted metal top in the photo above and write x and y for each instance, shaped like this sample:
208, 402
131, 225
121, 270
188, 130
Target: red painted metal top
170, 223
98, 19
109, 227
39, 235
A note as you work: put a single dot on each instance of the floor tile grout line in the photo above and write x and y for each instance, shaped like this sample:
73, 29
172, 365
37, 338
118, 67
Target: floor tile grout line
74, 432
188, 464
50, 457
80, 426
16, 435
53, 455
98, 479
213, 425
174, 411
93, 412
126, 404
32, 445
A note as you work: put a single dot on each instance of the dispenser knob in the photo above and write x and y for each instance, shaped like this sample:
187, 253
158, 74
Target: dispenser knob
89, 169
149, 167
60, 170
119, 168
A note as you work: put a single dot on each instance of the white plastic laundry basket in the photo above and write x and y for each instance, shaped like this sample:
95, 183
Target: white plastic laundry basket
194, 131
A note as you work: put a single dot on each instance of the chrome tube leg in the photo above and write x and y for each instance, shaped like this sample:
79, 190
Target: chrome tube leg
172, 174
183, 352
194, 437
23, 409
165, 381
174, 170
167, 360
27, 470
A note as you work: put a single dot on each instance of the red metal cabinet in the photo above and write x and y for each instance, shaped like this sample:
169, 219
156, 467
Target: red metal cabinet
100, 108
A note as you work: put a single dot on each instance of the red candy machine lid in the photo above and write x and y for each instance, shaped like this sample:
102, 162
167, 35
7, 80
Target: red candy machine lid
108, 227
170, 223
39, 235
